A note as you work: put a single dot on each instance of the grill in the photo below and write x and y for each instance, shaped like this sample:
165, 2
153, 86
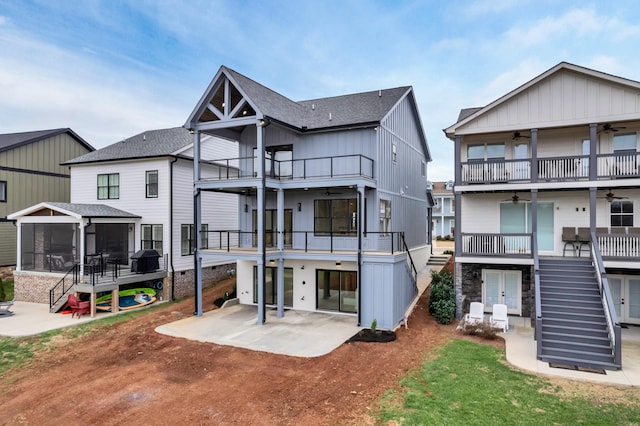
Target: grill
144, 261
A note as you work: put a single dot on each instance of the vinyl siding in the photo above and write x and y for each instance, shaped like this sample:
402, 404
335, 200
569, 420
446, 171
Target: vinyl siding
25, 189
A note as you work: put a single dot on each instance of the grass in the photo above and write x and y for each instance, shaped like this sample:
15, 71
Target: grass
468, 383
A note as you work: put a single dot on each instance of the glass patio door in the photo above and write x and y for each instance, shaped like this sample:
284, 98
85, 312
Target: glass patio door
503, 287
271, 286
625, 292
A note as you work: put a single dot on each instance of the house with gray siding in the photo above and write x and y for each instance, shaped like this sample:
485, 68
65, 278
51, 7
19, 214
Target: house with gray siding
443, 211
332, 193
136, 194
546, 183
31, 171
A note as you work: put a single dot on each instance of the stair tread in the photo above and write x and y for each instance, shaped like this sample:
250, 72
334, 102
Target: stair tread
576, 354
579, 362
571, 335
589, 345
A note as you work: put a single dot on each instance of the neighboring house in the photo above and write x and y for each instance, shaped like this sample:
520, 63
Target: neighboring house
443, 212
333, 196
31, 171
546, 183
132, 195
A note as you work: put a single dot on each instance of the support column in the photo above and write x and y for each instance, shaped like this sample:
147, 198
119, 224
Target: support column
361, 231
534, 155
593, 192
19, 245
457, 238
593, 150
261, 198
197, 220
534, 212
280, 275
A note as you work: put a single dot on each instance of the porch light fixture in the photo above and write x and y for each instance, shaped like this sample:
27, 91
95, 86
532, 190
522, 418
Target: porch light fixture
264, 122
246, 208
191, 131
338, 263
272, 262
299, 207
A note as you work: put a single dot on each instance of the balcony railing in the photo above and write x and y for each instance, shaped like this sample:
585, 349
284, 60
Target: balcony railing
626, 246
496, 244
552, 169
305, 168
307, 241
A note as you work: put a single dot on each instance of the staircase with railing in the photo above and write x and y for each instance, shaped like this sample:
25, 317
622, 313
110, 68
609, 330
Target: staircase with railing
62, 288
575, 320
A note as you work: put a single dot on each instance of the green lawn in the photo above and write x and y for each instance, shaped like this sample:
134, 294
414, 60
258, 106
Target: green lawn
467, 383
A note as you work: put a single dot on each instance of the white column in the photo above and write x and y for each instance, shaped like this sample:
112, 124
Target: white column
19, 246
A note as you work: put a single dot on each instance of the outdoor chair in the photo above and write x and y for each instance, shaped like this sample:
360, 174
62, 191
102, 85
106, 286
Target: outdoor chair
499, 317
475, 315
5, 308
569, 238
584, 239
78, 307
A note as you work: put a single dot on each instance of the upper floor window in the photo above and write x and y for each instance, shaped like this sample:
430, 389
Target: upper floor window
336, 217
423, 169
188, 238
625, 143
151, 237
492, 151
452, 205
621, 213
109, 186
394, 152
3, 191
151, 183
385, 216
448, 186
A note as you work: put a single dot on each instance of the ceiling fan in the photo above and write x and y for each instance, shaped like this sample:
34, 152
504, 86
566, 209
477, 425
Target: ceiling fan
518, 135
607, 128
515, 198
610, 196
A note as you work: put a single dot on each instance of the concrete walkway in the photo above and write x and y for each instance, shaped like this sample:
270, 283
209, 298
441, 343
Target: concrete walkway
521, 353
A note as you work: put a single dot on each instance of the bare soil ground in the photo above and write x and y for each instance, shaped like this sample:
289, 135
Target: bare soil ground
129, 374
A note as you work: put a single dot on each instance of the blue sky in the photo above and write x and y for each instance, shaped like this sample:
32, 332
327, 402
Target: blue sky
111, 69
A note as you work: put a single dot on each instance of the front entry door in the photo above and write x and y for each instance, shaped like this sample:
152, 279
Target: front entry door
503, 287
625, 292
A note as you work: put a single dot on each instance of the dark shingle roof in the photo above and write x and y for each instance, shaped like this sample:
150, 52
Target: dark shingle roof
15, 140
93, 210
352, 109
152, 143
466, 112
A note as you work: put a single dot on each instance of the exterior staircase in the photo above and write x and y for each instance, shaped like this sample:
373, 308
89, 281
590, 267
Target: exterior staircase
438, 259
574, 326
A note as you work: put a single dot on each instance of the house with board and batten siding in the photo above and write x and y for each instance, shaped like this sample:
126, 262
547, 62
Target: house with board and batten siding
333, 198
547, 182
136, 194
31, 171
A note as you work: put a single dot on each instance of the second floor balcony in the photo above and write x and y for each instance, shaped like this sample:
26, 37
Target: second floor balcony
551, 169
295, 169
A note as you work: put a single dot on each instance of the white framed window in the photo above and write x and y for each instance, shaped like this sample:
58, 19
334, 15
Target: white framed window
624, 143
452, 205
394, 152
385, 216
488, 151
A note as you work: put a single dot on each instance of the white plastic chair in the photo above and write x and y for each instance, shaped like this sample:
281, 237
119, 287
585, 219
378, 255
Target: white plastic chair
475, 315
499, 318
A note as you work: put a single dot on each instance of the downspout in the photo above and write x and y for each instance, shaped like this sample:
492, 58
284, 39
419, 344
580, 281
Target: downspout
173, 271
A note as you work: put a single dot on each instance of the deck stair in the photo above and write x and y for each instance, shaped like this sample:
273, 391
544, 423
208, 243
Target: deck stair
438, 259
574, 326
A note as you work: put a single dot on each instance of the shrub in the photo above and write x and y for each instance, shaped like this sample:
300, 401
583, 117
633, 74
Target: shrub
485, 329
442, 296
2, 294
447, 252
374, 325
444, 311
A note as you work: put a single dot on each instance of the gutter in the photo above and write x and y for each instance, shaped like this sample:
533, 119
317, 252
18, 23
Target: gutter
173, 271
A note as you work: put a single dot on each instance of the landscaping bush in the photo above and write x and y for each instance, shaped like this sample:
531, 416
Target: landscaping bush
444, 311
442, 296
484, 329
448, 252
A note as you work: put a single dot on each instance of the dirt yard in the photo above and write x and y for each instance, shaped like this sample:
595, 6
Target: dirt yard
129, 374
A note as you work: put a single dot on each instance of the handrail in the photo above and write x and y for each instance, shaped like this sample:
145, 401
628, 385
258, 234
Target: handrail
615, 331
538, 302
413, 266
75, 269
